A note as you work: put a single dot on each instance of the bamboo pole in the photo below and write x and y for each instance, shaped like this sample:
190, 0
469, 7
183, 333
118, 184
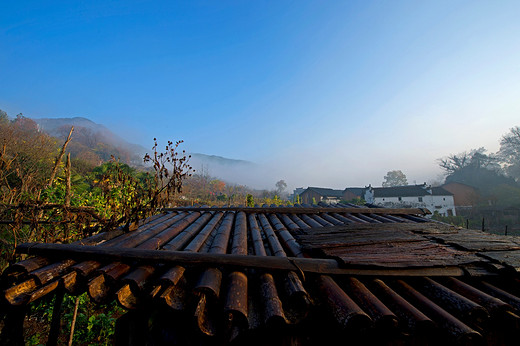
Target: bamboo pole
172, 277
237, 294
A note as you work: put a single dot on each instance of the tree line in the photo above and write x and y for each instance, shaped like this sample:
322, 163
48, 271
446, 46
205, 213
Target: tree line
495, 177
477, 167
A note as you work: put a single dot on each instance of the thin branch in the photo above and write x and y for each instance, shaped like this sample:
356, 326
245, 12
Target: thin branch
59, 157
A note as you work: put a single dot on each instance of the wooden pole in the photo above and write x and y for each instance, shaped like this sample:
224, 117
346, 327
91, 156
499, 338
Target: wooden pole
67, 194
309, 210
67, 182
59, 157
311, 265
73, 323
54, 332
88, 210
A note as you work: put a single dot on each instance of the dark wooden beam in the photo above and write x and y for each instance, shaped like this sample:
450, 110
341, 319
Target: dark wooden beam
309, 265
314, 210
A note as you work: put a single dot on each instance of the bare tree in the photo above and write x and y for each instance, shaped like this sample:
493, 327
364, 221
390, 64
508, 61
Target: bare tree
475, 158
171, 169
453, 163
281, 185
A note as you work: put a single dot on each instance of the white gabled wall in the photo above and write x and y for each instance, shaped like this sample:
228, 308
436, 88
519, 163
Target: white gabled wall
444, 205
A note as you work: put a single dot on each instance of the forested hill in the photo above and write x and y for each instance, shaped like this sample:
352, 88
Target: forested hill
91, 141
96, 143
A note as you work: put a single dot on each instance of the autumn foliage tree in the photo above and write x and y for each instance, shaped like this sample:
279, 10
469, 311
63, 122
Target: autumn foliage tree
395, 178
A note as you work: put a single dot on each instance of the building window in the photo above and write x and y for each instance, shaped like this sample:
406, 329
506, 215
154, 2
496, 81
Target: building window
420, 199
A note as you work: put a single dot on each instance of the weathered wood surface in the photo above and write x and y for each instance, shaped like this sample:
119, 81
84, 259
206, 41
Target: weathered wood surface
509, 258
410, 245
386, 245
357, 238
473, 240
402, 254
416, 228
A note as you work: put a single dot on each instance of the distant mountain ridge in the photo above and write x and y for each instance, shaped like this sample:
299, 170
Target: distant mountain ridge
93, 136
219, 160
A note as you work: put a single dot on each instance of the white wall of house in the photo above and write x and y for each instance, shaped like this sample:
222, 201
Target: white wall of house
330, 200
444, 205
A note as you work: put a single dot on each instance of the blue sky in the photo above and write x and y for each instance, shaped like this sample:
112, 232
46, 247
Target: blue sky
319, 93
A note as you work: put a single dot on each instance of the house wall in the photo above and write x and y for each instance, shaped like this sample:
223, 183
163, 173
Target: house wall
330, 200
369, 196
444, 205
348, 196
463, 195
307, 196
400, 200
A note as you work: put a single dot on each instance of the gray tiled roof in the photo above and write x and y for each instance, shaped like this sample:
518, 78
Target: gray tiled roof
356, 190
326, 192
439, 191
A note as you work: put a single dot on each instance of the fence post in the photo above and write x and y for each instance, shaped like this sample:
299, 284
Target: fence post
54, 332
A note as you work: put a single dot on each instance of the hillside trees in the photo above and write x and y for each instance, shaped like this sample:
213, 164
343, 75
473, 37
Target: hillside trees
395, 178
26, 159
476, 168
475, 159
494, 175
94, 147
3, 117
509, 152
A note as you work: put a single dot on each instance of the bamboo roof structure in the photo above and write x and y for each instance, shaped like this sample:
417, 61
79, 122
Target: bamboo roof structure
301, 275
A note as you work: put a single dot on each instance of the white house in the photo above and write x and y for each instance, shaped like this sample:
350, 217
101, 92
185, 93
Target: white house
435, 199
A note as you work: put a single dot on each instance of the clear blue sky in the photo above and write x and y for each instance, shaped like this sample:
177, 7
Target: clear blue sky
321, 93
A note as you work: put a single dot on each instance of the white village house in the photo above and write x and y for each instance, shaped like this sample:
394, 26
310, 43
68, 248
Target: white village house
435, 199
